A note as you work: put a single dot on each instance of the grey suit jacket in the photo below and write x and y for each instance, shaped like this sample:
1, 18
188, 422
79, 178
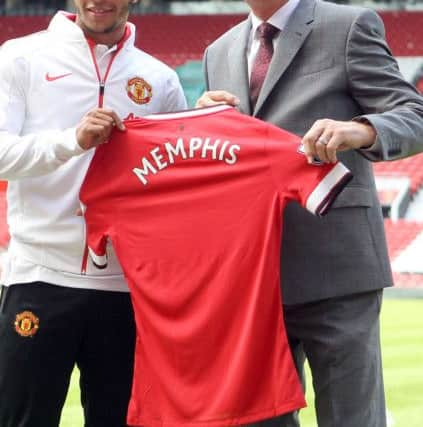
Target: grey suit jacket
331, 61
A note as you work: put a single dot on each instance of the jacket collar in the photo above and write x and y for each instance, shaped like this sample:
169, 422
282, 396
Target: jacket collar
63, 26
288, 44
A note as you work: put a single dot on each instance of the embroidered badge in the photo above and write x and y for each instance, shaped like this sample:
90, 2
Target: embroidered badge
139, 90
26, 324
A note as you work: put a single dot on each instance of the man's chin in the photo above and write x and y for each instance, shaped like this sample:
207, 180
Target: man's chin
99, 29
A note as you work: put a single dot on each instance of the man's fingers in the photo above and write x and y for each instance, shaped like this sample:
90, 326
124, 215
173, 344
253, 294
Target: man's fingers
325, 147
109, 116
118, 122
96, 127
106, 119
98, 133
216, 97
91, 134
326, 137
332, 148
309, 142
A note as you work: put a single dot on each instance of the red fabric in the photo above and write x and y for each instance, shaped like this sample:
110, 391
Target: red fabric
4, 230
193, 207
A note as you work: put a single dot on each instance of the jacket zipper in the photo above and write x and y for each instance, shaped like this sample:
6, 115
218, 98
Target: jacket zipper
101, 79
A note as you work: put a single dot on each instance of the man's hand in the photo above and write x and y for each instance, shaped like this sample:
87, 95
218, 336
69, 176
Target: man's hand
96, 126
326, 137
216, 97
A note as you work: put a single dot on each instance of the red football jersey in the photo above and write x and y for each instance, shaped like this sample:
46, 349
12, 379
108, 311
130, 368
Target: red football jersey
193, 202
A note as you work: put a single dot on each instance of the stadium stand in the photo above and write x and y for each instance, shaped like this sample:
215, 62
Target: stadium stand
180, 40
191, 77
398, 183
412, 168
405, 244
400, 234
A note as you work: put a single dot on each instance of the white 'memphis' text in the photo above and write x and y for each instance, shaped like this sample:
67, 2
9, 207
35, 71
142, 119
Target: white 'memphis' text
161, 157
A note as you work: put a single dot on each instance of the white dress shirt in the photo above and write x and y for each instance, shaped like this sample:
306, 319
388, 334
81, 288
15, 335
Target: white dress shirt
279, 19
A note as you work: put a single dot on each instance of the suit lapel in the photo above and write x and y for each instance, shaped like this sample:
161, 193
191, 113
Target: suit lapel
237, 57
288, 44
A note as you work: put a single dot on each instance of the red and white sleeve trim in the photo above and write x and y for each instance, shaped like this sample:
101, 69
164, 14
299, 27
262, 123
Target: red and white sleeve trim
320, 200
100, 261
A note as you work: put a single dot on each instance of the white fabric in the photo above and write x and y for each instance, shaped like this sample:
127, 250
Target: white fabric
279, 20
39, 154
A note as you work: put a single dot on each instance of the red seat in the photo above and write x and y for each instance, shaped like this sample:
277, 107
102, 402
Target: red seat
4, 232
411, 167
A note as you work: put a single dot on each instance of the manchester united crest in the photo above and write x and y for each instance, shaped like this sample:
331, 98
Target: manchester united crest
26, 324
139, 90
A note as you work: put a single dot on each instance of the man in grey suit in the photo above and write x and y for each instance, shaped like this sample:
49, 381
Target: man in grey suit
332, 80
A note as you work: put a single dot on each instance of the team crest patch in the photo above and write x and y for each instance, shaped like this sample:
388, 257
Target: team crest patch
26, 324
139, 90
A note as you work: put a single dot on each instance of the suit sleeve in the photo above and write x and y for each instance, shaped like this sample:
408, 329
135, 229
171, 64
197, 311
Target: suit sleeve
315, 186
205, 70
32, 154
391, 104
417, 75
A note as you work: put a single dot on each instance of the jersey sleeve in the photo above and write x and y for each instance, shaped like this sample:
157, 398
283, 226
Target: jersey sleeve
315, 186
96, 239
96, 211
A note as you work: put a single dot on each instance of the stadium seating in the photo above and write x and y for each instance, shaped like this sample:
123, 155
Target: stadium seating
398, 182
411, 167
400, 234
177, 38
405, 245
180, 41
191, 76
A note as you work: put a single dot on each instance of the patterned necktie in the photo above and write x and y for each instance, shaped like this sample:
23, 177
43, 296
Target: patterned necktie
266, 32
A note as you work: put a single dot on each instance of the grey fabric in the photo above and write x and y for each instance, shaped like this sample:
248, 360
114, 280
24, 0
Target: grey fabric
343, 350
330, 62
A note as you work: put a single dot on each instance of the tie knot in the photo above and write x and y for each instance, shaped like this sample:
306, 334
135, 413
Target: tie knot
267, 31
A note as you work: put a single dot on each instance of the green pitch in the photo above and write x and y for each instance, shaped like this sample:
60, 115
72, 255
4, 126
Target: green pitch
402, 343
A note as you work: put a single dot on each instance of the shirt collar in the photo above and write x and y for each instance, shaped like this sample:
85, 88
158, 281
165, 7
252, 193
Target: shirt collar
279, 19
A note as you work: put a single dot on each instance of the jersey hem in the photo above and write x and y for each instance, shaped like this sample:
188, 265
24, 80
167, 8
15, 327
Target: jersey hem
280, 410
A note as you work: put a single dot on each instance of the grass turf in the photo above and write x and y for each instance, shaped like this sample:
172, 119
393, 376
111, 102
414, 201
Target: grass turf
402, 346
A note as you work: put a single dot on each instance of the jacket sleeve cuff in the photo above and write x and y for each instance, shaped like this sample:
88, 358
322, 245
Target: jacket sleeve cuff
373, 153
68, 145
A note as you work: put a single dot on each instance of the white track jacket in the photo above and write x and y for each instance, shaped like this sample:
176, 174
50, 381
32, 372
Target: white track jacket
48, 81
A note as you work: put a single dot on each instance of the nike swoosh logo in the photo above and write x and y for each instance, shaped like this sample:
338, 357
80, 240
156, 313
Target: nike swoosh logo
53, 78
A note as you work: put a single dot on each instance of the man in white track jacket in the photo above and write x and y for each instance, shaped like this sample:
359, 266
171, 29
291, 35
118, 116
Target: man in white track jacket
61, 93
